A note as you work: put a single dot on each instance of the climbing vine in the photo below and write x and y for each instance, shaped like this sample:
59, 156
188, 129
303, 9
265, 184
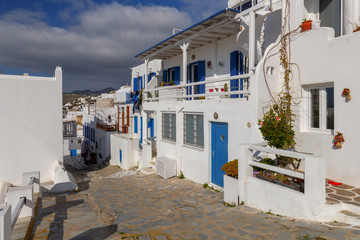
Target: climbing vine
277, 123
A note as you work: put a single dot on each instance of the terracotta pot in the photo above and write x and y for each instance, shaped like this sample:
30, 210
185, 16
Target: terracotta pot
306, 25
348, 97
338, 145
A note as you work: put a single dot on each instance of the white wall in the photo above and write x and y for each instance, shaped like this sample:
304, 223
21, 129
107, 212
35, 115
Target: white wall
323, 60
125, 143
31, 125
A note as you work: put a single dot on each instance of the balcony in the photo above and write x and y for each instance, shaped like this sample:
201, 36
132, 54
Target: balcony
214, 87
107, 127
69, 129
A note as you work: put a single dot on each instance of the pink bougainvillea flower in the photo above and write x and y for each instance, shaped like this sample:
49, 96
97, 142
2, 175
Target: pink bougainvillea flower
261, 123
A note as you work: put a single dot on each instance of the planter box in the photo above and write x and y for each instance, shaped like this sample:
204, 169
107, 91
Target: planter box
292, 186
265, 178
231, 190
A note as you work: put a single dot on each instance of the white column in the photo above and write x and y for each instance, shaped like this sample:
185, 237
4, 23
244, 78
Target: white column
184, 48
252, 41
245, 170
146, 73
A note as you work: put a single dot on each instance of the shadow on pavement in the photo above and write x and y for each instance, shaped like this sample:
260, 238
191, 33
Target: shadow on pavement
97, 233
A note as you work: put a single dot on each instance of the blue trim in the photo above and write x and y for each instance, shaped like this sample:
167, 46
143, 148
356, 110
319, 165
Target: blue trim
135, 124
234, 70
120, 153
206, 19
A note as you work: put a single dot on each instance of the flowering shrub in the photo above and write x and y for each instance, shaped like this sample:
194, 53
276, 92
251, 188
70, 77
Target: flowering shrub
231, 168
276, 127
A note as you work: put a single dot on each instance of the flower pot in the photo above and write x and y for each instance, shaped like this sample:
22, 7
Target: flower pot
306, 25
338, 145
231, 190
348, 97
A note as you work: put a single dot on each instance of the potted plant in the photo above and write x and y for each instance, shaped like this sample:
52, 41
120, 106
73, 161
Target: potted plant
231, 184
306, 25
266, 176
346, 93
284, 181
338, 140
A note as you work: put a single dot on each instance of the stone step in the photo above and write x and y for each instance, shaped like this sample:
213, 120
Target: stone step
147, 170
349, 217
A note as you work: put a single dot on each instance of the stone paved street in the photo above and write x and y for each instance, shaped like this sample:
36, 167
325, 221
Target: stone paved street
113, 204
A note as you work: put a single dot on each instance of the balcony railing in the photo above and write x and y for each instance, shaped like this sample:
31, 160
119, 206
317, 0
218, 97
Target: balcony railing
238, 87
106, 127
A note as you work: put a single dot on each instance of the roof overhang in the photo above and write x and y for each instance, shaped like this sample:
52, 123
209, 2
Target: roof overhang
214, 28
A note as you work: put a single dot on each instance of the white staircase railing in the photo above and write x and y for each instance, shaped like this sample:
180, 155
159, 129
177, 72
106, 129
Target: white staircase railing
21, 199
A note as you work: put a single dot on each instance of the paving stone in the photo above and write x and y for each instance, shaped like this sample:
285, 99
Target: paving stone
341, 198
356, 190
345, 193
338, 235
149, 207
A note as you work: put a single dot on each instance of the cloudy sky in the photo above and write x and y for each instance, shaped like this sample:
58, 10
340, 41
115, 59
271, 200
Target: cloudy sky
95, 41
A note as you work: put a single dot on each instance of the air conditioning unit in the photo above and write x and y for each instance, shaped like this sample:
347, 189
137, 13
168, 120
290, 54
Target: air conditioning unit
165, 167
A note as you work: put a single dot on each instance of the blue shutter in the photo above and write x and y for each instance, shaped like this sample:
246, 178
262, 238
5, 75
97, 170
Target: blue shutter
201, 76
140, 82
135, 124
176, 75
165, 76
151, 126
135, 80
234, 70
188, 80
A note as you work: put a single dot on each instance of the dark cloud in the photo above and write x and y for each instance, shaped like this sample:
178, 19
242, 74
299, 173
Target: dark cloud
95, 52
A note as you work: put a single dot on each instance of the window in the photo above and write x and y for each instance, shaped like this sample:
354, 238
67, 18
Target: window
169, 126
321, 106
194, 130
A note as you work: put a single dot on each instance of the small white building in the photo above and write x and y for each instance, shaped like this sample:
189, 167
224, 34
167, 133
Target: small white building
31, 126
217, 78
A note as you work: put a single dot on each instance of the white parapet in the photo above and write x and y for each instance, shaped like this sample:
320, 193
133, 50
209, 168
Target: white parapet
15, 193
26, 178
5, 222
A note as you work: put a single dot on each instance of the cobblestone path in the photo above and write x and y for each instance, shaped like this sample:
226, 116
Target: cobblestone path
113, 204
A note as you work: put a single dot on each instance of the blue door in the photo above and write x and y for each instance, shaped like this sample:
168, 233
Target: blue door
219, 152
151, 126
120, 152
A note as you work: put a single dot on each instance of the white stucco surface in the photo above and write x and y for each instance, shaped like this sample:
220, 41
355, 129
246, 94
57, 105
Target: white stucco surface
31, 125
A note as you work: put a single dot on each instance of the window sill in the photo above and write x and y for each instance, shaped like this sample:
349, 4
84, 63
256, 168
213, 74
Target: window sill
193, 147
318, 131
168, 141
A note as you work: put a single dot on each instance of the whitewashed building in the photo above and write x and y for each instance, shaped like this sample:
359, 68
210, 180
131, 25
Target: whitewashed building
31, 126
218, 78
